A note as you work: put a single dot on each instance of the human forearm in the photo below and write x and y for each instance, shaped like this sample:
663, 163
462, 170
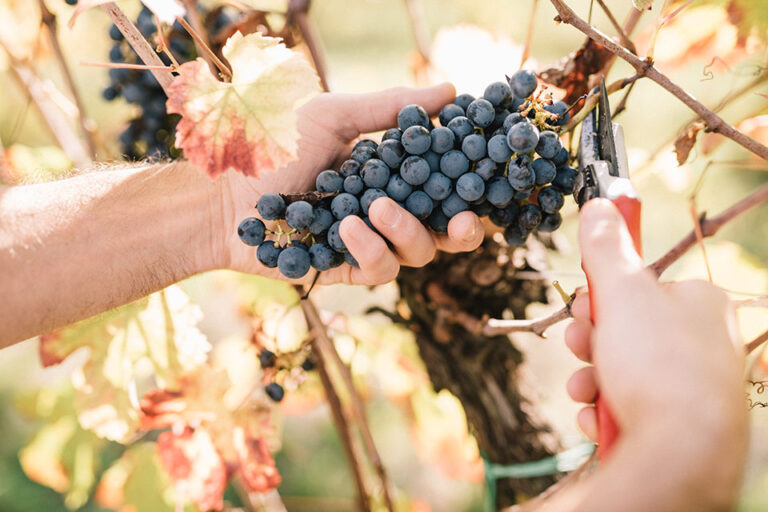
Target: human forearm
77, 247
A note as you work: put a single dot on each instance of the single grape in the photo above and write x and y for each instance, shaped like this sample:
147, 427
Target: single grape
375, 173
293, 262
498, 94
549, 144
498, 149
399, 189
470, 187
510, 120
116, 54
498, 122
550, 222
453, 205
274, 391
486, 168
414, 170
322, 257
448, 112
349, 168
133, 92
545, 171
412, 115
503, 217
520, 175
267, 253
369, 196
463, 100
483, 209
267, 358
110, 93
146, 22
454, 163
433, 159
515, 235
565, 179
354, 185
322, 218
559, 108
550, 200
329, 181
438, 221
523, 83
115, 34
523, 137
480, 112
419, 204
392, 152
367, 143
363, 154
299, 215
416, 140
342, 205
443, 138
71, 2
561, 158
252, 231
438, 186
529, 217
474, 146
461, 127
334, 238
392, 134
308, 365
499, 192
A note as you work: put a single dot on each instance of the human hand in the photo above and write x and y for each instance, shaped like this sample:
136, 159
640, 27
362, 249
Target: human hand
660, 352
328, 126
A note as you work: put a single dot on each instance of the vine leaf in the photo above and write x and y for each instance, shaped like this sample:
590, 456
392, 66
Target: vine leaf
166, 10
160, 329
685, 142
574, 71
250, 124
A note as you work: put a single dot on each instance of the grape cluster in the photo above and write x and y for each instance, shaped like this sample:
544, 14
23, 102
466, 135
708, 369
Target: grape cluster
497, 155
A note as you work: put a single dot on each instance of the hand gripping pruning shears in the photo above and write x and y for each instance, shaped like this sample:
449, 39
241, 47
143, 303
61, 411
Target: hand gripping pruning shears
604, 172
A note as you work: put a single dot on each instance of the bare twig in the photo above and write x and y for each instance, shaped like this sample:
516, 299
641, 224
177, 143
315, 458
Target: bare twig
752, 345
298, 10
197, 23
709, 227
49, 20
124, 65
538, 326
529, 33
139, 44
206, 50
592, 100
622, 106
626, 41
418, 27
714, 122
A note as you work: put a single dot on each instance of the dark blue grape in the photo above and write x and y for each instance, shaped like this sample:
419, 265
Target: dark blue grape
116, 54
412, 115
354, 185
293, 262
334, 238
503, 217
419, 204
453, 205
523, 137
414, 170
392, 134
454, 163
350, 260
369, 196
561, 158
549, 144
474, 147
448, 112
520, 195
322, 257
463, 100
115, 34
545, 171
398, 189
133, 92
363, 154
520, 175
517, 104
498, 122
349, 168
274, 391
375, 173
511, 120
498, 94
461, 127
486, 168
499, 192
565, 179
146, 22
498, 149
438, 186
119, 75
365, 143
558, 108
391, 152
443, 138
252, 231
529, 217
343, 204
299, 215
329, 181
523, 83
550, 200
271, 206
515, 235
470, 187
438, 221
267, 253
322, 218
267, 358
416, 140
483, 209
550, 222
433, 159
481, 113
110, 93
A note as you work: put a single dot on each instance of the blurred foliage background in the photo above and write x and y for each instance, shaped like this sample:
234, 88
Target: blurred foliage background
422, 436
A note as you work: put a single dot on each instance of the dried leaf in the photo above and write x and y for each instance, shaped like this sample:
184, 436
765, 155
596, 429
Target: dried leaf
686, 141
257, 466
250, 124
166, 10
573, 72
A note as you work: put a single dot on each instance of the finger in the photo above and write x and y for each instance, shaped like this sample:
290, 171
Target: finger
610, 260
577, 339
411, 240
587, 420
580, 307
364, 113
582, 386
465, 233
378, 264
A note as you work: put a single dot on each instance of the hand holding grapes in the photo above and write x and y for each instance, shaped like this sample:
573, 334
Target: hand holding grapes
328, 125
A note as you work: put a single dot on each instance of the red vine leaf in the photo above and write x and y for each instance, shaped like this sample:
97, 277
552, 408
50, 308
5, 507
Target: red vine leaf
257, 467
166, 10
195, 466
573, 72
685, 142
248, 125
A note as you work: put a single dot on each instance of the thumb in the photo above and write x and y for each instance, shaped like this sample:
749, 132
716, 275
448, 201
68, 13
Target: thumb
376, 111
608, 256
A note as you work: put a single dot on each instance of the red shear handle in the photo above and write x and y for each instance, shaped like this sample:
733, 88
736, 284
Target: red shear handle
607, 429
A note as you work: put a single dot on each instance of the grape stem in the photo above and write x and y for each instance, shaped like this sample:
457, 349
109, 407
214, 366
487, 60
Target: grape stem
755, 343
206, 50
645, 67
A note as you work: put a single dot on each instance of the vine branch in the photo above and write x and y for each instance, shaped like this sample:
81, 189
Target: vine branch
714, 122
495, 326
752, 345
297, 9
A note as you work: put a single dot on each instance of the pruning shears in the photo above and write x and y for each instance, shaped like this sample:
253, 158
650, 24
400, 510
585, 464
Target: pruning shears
604, 172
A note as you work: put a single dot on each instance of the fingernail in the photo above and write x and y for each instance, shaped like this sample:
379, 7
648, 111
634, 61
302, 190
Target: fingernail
472, 234
390, 215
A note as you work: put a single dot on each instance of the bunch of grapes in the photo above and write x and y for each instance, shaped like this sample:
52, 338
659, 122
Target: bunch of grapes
497, 156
